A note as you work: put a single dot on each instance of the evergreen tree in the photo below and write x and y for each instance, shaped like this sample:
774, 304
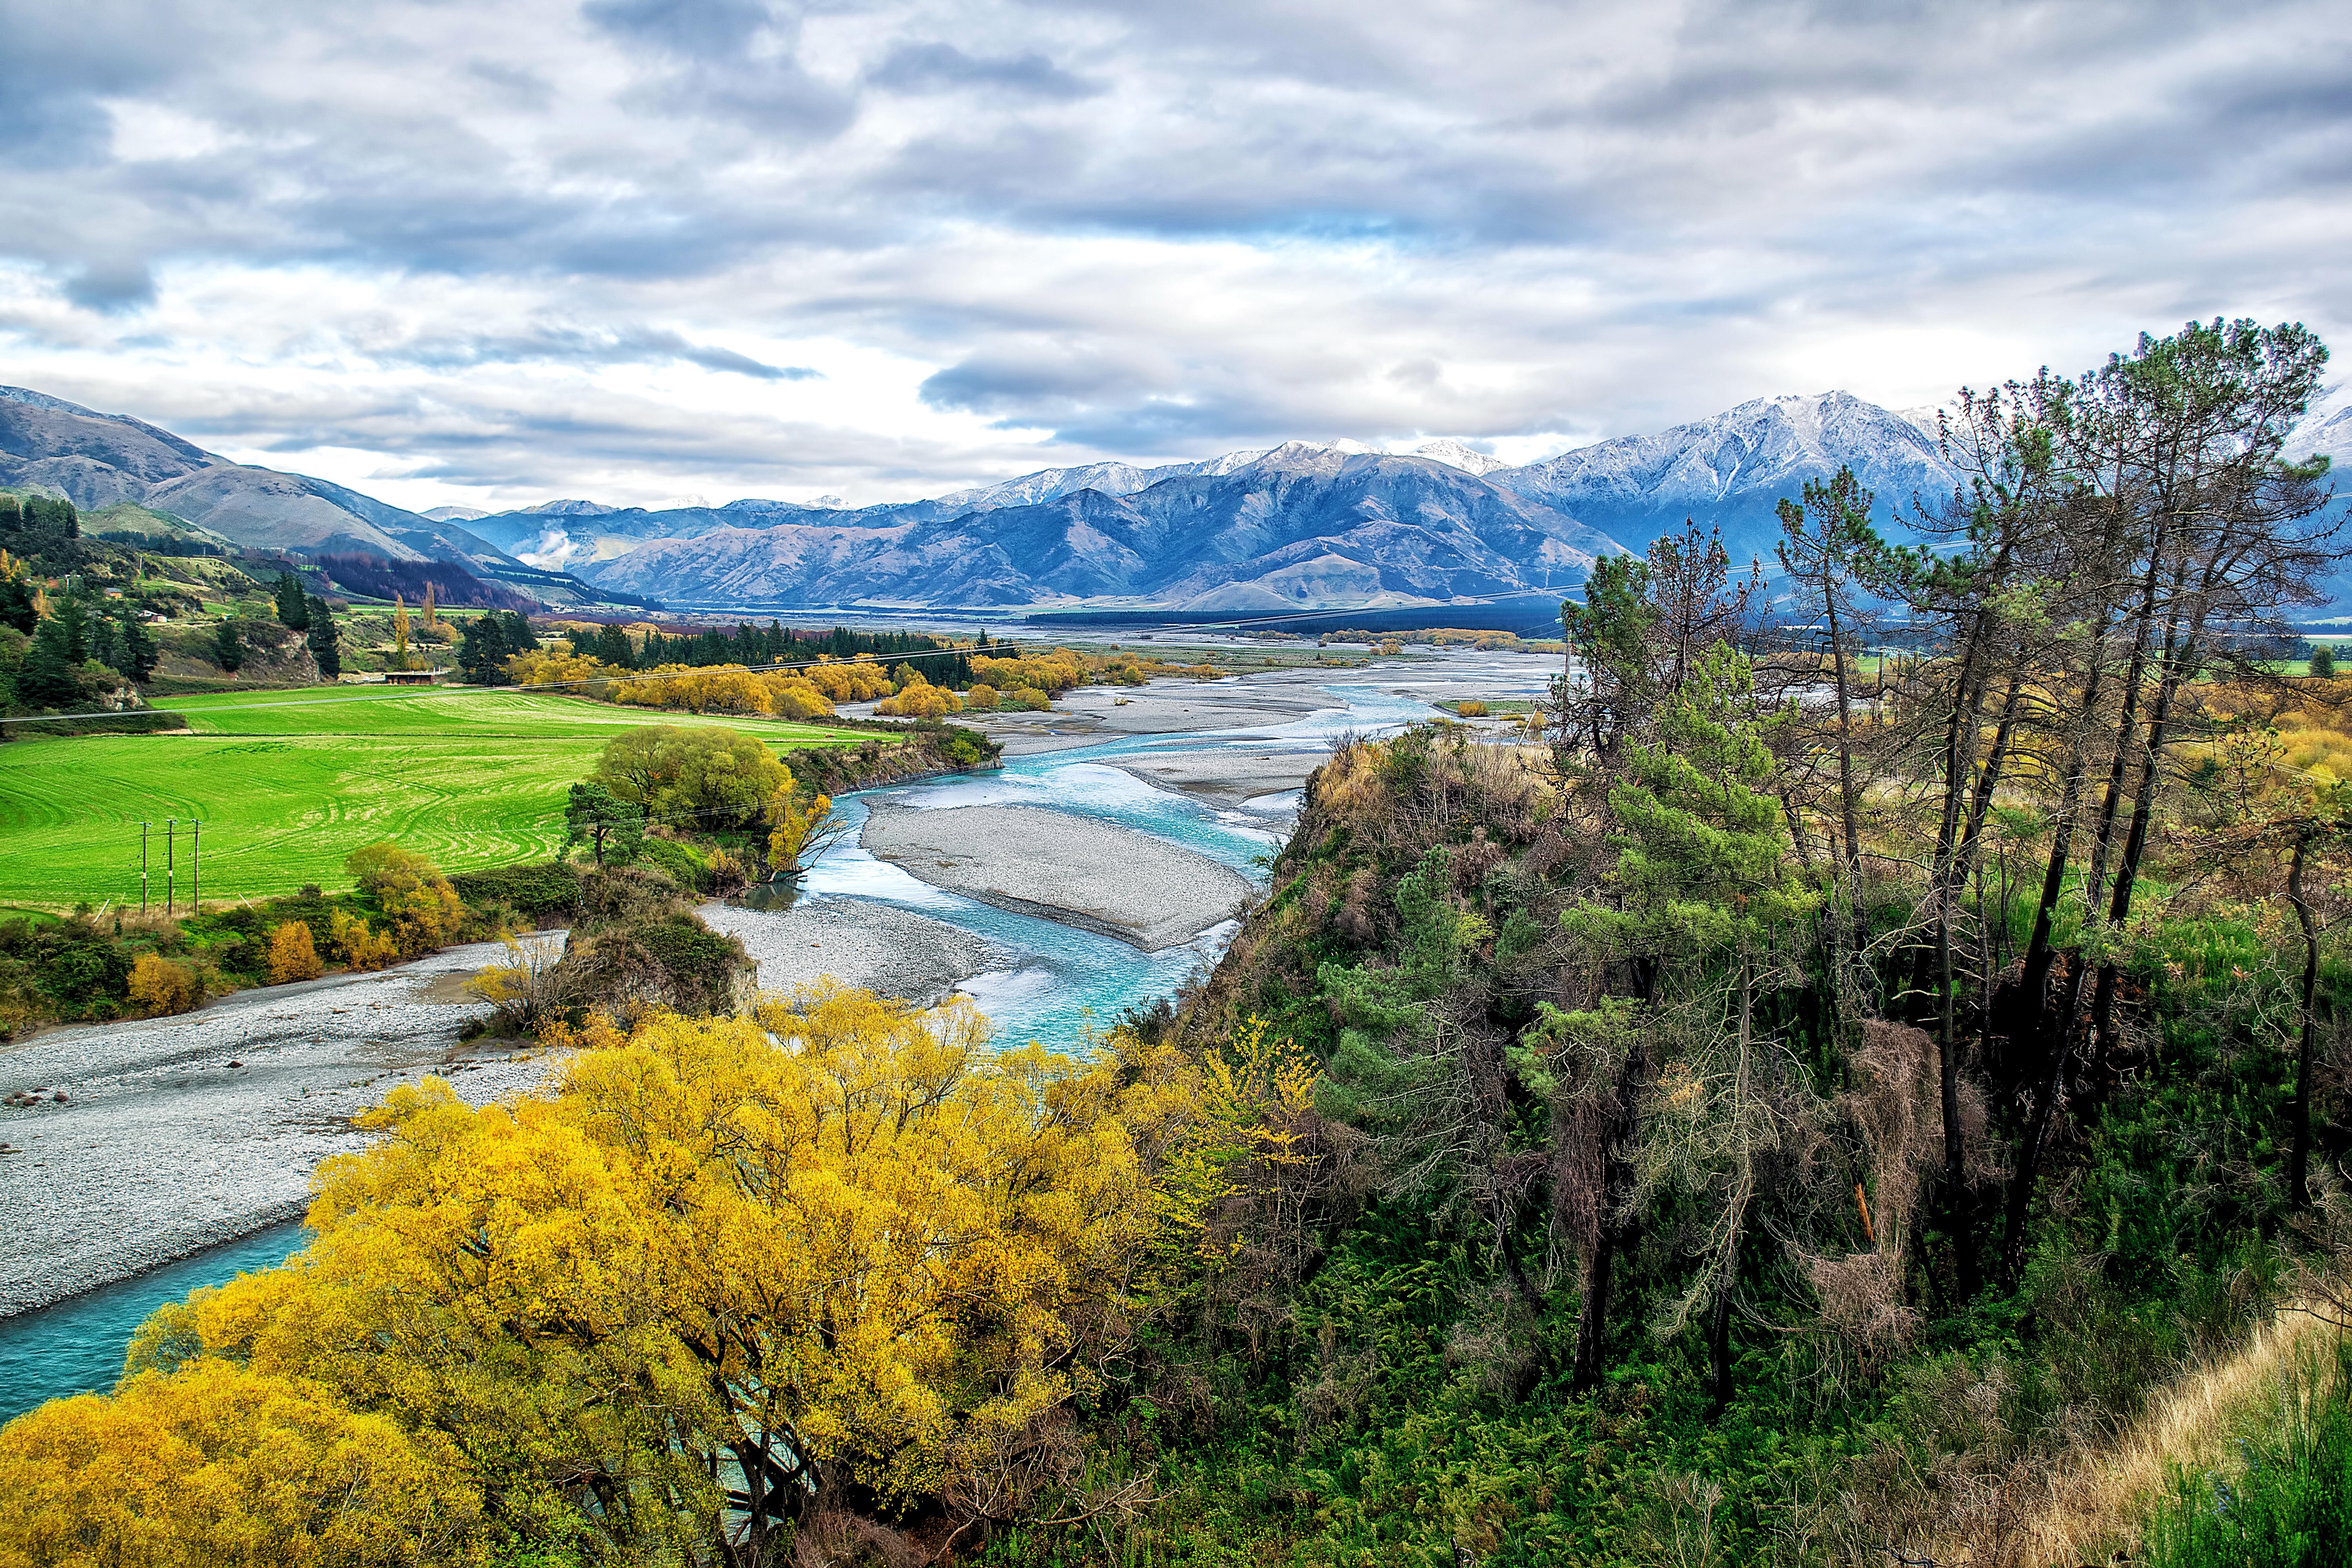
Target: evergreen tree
324, 647
293, 606
74, 619
2323, 662
16, 605
228, 647
138, 651
518, 636
482, 654
106, 644
47, 680
12, 516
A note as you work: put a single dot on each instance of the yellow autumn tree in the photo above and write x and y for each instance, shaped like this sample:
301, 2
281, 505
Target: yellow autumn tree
725, 1271
292, 954
159, 986
218, 1463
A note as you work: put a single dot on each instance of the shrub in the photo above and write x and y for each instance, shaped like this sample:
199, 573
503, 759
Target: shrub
159, 985
549, 888
1471, 709
981, 698
414, 895
1032, 698
362, 945
292, 955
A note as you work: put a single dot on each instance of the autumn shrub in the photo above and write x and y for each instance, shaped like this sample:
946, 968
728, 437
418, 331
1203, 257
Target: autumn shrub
216, 1463
981, 698
424, 910
361, 945
525, 993
918, 699
1472, 708
843, 1244
292, 955
1030, 697
159, 986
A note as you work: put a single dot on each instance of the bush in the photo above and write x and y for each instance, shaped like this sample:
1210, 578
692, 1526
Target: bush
414, 895
292, 955
160, 986
362, 945
981, 699
1471, 709
549, 888
1029, 697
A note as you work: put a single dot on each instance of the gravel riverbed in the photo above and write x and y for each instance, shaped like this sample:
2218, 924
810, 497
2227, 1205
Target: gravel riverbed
179, 1133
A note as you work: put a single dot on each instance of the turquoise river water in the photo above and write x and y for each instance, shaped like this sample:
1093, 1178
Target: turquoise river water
1061, 981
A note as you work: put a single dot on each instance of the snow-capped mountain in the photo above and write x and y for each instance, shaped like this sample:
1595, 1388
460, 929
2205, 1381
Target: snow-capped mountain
1731, 470
1301, 526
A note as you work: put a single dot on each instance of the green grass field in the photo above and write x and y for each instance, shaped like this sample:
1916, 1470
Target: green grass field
288, 782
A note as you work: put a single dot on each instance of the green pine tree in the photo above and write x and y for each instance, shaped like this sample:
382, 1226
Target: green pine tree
325, 648
47, 680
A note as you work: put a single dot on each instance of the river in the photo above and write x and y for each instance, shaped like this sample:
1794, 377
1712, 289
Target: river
1060, 981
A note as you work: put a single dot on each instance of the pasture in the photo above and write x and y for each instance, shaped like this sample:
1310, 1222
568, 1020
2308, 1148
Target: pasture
288, 782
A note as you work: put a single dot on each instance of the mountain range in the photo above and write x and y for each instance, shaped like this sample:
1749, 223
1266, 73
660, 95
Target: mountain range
1299, 526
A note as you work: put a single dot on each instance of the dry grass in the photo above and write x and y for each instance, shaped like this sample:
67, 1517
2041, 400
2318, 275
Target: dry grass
2095, 1502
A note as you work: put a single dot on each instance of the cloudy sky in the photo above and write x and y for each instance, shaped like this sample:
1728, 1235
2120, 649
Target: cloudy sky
492, 251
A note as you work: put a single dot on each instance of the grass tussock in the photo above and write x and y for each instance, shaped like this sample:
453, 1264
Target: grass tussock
2097, 1501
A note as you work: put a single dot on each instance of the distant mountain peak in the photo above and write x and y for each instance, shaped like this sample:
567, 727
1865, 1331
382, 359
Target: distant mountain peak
570, 509
454, 513
1453, 453
43, 400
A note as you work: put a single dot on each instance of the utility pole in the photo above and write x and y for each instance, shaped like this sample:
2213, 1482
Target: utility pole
142, 866
171, 859
196, 866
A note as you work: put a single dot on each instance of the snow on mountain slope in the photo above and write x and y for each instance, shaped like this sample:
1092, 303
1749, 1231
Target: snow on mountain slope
1731, 470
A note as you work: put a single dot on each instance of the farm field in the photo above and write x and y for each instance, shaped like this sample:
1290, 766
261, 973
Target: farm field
288, 782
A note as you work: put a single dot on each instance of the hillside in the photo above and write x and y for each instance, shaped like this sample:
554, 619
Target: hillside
104, 460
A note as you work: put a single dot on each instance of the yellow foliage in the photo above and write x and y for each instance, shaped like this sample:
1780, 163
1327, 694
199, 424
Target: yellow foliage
726, 689
920, 700
981, 698
159, 985
839, 1241
424, 909
361, 945
1472, 708
546, 666
851, 681
1028, 697
797, 824
216, 1464
292, 955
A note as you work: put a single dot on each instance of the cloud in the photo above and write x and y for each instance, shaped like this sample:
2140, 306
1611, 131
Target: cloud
943, 67
122, 286
418, 240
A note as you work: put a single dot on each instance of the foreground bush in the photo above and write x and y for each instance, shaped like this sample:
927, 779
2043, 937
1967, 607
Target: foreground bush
726, 1276
159, 986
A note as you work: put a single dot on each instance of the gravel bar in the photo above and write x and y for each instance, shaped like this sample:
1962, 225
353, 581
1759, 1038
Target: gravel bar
177, 1134
1072, 869
890, 952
